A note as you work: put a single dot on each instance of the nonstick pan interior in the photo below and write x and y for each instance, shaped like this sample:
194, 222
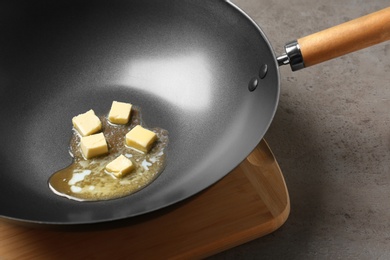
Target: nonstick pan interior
187, 64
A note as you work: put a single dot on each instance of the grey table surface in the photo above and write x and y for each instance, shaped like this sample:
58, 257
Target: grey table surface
331, 137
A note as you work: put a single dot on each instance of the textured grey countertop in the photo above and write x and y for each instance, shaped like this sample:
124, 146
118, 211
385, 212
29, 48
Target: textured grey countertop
331, 137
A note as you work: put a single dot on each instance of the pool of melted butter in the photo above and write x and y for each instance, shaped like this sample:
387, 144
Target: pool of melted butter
87, 180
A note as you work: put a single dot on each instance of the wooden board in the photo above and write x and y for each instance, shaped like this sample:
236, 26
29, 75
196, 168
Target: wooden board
248, 203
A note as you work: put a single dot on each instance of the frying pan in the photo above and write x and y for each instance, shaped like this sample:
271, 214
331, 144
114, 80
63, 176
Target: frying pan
203, 70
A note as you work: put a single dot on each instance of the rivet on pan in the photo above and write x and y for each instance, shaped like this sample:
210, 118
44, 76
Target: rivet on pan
253, 83
263, 71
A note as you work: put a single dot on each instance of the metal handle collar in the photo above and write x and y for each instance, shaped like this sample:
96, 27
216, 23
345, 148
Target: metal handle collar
293, 56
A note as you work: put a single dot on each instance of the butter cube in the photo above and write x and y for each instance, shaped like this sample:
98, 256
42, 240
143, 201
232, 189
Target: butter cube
140, 138
93, 145
119, 113
120, 166
87, 123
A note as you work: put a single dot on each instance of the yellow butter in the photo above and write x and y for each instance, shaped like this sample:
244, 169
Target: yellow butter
140, 138
119, 113
120, 166
93, 145
87, 123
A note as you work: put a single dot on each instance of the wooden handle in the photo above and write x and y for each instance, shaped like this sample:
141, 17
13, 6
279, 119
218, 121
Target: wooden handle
345, 38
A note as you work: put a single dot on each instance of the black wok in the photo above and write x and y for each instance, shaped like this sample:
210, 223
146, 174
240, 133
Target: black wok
200, 69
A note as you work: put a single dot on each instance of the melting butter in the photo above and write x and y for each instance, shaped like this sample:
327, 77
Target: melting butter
87, 180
